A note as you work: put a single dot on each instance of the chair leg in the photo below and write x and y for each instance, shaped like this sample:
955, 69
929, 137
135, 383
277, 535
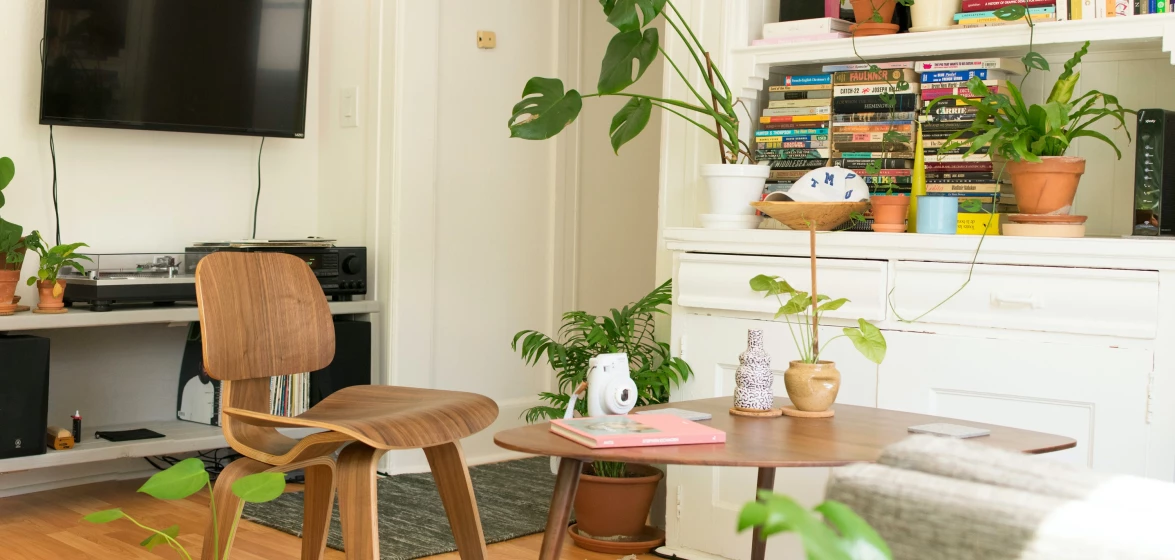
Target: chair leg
357, 501
228, 507
319, 502
456, 489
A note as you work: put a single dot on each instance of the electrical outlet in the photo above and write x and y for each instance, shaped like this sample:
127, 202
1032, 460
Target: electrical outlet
349, 107
487, 39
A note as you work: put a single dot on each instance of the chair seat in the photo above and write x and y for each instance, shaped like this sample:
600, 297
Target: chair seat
389, 417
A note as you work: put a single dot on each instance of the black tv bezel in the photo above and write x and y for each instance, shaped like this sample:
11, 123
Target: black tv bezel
300, 133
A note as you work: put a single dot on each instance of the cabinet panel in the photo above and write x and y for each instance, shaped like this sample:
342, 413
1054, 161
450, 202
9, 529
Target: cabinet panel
722, 282
1094, 394
1036, 298
710, 498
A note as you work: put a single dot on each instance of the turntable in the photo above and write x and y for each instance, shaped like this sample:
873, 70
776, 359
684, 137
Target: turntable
119, 278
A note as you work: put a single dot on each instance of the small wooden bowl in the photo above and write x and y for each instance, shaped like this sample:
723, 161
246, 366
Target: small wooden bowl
797, 215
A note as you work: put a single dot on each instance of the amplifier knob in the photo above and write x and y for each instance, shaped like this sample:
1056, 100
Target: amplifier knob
352, 265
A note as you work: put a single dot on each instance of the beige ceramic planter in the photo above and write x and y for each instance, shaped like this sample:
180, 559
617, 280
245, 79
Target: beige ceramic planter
812, 387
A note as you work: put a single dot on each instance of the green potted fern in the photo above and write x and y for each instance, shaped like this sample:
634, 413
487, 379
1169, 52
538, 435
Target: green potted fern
613, 498
12, 247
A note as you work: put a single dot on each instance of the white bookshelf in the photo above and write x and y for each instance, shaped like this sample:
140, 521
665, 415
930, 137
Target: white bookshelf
82, 317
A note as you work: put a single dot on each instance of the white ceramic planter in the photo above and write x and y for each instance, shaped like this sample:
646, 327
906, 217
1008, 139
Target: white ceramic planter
932, 15
734, 187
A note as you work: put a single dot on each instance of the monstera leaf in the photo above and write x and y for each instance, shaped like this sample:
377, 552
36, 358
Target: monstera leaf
629, 121
626, 47
545, 109
622, 14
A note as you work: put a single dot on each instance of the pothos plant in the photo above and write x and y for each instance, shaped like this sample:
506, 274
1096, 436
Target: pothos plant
10, 233
54, 259
583, 336
184, 479
802, 314
837, 534
547, 108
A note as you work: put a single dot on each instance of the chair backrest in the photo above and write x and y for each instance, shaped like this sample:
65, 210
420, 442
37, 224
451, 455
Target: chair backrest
262, 315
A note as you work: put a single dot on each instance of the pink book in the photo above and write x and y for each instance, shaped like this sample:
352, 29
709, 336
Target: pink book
646, 430
799, 39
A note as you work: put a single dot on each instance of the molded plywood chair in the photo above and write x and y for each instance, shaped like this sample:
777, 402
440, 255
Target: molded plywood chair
264, 315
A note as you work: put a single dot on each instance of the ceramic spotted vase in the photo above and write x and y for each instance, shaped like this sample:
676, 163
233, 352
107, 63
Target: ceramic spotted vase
753, 379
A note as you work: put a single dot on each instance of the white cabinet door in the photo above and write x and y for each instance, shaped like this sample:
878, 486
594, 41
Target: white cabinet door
703, 502
1094, 393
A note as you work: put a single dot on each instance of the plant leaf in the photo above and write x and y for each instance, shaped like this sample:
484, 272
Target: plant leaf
1034, 60
178, 482
1099, 136
771, 285
545, 109
625, 47
260, 488
105, 516
156, 539
622, 14
797, 304
7, 172
858, 539
833, 305
1012, 12
868, 340
629, 121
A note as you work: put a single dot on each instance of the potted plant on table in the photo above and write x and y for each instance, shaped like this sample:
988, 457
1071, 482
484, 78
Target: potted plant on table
613, 498
12, 248
50, 287
1034, 138
546, 108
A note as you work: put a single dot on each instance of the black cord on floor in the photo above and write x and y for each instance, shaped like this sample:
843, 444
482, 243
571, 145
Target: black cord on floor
257, 202
56, 211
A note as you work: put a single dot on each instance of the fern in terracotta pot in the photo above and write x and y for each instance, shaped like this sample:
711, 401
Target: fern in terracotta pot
50, 286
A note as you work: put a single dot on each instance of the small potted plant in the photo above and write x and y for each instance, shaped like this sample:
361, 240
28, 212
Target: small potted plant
889, 211
613, 498
874, 16
547, 108
12, 248
50, 287
1034, 138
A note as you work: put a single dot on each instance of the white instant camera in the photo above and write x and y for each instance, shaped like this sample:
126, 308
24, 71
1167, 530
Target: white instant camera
610, 387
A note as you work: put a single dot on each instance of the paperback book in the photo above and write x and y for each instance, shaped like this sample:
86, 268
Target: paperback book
646, 430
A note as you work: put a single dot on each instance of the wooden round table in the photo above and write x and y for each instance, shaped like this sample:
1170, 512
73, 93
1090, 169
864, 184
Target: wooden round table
855, 435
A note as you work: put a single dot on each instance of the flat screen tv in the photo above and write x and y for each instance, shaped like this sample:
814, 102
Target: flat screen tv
216, 66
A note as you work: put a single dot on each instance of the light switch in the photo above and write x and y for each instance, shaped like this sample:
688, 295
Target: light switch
487, 39
349, 107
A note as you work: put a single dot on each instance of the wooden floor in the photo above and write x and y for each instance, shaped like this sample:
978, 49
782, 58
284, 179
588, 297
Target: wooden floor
48, 526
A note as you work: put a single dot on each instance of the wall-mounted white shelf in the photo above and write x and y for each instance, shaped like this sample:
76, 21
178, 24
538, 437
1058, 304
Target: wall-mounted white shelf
82, 317
179, 437
752, 65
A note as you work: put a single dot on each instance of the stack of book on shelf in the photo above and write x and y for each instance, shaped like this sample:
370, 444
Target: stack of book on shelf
793, 130
949, 171
981, 13
800, 31
865, 128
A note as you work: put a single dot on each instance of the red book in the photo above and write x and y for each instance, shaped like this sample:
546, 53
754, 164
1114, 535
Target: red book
990, 5
646, 430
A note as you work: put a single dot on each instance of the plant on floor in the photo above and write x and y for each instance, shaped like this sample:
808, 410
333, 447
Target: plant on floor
184, 479
841, 535
546, 109
10, 233
803, 321
53, 259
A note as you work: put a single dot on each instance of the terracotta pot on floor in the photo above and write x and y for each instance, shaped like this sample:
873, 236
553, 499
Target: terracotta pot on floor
49, 299
611, 507
1046, 187
812, 387
8, 281
889, 212
866, 26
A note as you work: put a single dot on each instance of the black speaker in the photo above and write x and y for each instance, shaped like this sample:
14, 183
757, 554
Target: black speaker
24, 395
352, 363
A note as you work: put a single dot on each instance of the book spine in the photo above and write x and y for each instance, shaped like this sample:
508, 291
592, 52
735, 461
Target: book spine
885, 163
873, 155
797, 103
874, 103
874, 117
809, 80
858, 67
792, 144
871, 76
953, 151
804, 164
997, 21
977, 64
1046, 10
786, 174
791, 125
797, 111
943, 77
869, 89
790, 95
962, 188
991, 5
781, 153
932, 94
954, 167
951, 111
880, 127
879, 147
793, 132
815, 87
776, 119
887, 180
860, 137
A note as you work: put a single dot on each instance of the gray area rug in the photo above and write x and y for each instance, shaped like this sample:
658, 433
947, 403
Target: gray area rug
512, 498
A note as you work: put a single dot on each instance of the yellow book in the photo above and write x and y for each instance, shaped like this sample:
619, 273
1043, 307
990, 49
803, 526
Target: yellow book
1075, 10
973, 224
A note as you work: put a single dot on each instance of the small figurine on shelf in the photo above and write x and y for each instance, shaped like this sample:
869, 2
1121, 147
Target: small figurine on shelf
754, 393
50, 287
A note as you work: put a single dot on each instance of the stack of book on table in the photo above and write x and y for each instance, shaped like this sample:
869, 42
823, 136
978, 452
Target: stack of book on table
793, 130
981, 13
865, 128
978, 177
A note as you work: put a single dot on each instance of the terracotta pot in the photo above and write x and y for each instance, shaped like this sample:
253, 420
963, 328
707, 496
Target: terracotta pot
49, 300
1046, 187
889, 212
615, 507
8, 282
872, 29
812, 387
863, 10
